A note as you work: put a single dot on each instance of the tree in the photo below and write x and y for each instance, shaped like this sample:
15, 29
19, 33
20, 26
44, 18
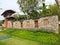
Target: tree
34, 14
29, 7
22, 17
19, 17
44, 10
54, 10
16, 16
32, 9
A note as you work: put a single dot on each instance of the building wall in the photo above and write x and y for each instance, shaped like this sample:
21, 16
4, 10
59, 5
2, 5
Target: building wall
28, 23
9, 24
49, 23
5, 23
17, 24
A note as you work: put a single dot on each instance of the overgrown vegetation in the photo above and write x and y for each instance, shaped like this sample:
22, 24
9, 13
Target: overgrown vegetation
33, 10
19, 17
52, 10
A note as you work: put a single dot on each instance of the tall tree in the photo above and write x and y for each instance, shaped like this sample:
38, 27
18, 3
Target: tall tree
44, 11
54, 10
29, 7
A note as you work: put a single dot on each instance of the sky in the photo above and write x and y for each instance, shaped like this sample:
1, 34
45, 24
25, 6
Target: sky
12, 4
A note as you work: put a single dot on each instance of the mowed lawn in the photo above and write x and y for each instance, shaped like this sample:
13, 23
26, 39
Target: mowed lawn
24, 37
16, 41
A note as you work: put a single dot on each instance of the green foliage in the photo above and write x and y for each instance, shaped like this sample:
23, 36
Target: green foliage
34, 14
20, 17
32, 8
16, 16
54, 9
0, 23
44, 11
29, 7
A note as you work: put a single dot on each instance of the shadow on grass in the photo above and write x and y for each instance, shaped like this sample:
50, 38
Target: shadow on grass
5, 37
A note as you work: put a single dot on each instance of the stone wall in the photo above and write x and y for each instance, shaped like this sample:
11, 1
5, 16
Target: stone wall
9, 24
17, 24
49, 23
28, 24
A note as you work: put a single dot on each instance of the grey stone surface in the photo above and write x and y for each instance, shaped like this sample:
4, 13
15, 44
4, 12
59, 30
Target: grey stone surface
48, 23
52, 23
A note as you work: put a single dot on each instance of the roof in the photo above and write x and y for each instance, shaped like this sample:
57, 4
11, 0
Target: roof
8, 12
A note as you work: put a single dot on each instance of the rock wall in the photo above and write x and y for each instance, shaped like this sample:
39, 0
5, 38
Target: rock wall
9, 24
28, 24
17, 24
49, 23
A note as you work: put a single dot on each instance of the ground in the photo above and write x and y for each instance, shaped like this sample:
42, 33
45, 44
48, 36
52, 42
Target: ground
24, 37
16, 41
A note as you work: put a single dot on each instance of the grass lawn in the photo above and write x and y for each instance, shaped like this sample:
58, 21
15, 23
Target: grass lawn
16, 41
24, 37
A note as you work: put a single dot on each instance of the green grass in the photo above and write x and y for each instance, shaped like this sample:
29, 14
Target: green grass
41, 37
16, 41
